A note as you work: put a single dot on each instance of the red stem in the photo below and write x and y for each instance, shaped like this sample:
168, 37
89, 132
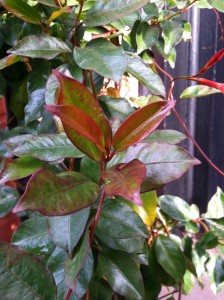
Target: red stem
196, 144
220, 23
69, 292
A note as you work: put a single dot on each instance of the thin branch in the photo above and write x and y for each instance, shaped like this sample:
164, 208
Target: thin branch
220, 24
180, 291
93, 85
79, 13
67, 296
58, 3
169, 294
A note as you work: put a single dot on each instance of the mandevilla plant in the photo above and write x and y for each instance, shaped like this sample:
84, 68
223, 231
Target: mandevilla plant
87, 162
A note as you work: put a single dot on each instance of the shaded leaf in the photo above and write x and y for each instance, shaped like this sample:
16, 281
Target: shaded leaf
196, 91
74, 188
172, 33
208, 241
58, 13
100, 289
90, 168
20, 168
47, 2
25, 274
103, 57
105, 12
125, 180
168, 136
217, 225
8, 199
140, 124
22, 10
219, 271
215, 208
9, 60
147, 36
122, 274
66, 231
140, 70
40, 46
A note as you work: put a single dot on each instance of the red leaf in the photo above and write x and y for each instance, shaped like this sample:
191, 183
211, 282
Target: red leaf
125, 180
217, 85
78, 120
215, 58
140, 124
3, 113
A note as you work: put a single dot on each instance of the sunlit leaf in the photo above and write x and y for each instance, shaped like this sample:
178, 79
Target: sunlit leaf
9, 60
196, 91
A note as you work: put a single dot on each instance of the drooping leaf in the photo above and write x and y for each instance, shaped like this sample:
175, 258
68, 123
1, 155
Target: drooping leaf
103, 57
125, 180
172, 33
121, 273
140, 70
164, 162
58, 13
100, 289
40, 46
215, 208
171, 57
120, 228
170, 257
79, 121
22, 10
32, 235
219, 5
209, 240
9, 60
167, 136
210, 83
67, 193
217, 225
197, 91
25, 275
107, 11
147, 36
66, 231
140, 124
85, 101
20, 168
8, 199
175, 207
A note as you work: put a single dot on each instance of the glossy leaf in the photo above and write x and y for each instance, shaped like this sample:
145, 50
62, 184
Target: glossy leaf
20, 168
147, 36
213, 84
214, 59
25, 275
140, 124
48, 147
122, 274
103, 57
13, 142
66, 231
75, 189
90, 168
217, 225
141, 71
32, 235
105, 12
164, 162
100, 289
40, 46
215, 208
219, 271
85, 101
197, 91
76, 119
170, 257
58, 13
175, 207
9, 60
125, 180
172, 137
172, 33
208, 241
8, 199
22, 10
120, 228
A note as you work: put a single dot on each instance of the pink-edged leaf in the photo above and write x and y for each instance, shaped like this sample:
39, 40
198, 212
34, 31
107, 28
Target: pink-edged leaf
78, 120
140, 124
217, 85
9, 60
125, 180
214, 59
58, 195
72, 92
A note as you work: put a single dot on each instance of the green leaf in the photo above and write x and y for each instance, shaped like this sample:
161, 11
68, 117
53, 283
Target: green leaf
172, 34
48, 147
140, 124
140, 70
13, 142
151, 283
90, 168
170, 257
217, 225
22, 10
107, 11
219, 271
9, 60
103, 57
125, 180
36, 89
197, 91
164, 162
25, 275
215, 208
209, 240
8, 199
151, 10
122, 274
67, 193
120, 228
19, 97
146, 37
217, 4
168, 136
40, 46
32, 235
20, 168
47, 2
66, 231
85, 101
100, 289
171, 57
175, 207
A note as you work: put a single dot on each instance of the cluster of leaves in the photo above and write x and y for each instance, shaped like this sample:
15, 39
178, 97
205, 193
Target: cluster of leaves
87, 162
